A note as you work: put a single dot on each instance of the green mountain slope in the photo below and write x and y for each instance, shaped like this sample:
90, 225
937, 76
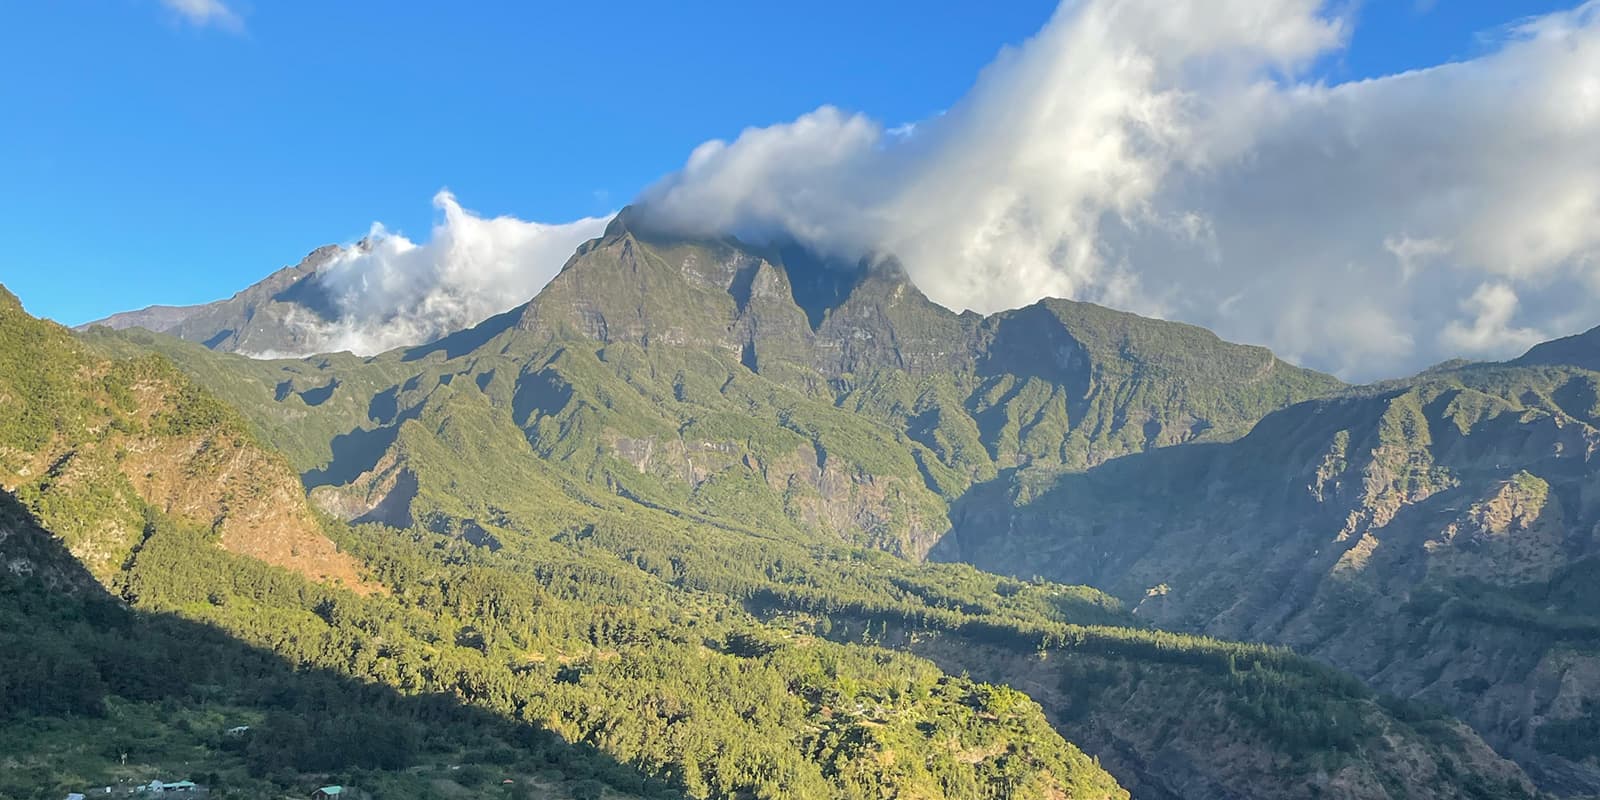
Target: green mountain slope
553, 659
833, 399
1055, 383
91, 443
1434, 536
745, 426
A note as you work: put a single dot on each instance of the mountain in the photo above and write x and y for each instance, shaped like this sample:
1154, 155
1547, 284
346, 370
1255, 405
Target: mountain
278, 314
1437, 536
674, 371
161, 588
749, 427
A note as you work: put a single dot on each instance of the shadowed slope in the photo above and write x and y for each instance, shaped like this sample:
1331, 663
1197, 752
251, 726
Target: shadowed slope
1415, 532
95, 693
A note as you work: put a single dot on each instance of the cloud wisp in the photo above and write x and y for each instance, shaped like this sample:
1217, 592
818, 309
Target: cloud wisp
390, 292
1170, 158
206, 13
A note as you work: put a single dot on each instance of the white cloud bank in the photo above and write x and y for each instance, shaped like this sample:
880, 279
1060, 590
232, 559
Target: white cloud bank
1166, 157
390, 291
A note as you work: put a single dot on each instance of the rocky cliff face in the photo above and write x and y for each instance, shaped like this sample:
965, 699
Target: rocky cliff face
95, 445
764, 307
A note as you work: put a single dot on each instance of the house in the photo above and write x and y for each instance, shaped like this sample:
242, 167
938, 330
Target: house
328, 793
239, 730
177, 787
75, 796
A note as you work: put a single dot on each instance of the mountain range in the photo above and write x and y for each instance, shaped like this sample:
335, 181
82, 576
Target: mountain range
1058, 551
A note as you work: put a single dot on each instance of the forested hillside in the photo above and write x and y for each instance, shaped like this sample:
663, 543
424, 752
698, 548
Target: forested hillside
684, 691
90, 443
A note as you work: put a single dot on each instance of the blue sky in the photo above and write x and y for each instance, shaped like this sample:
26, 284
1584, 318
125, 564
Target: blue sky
147, 159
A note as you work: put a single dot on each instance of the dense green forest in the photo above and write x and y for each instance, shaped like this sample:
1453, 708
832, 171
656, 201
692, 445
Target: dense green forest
649, 688
703, 702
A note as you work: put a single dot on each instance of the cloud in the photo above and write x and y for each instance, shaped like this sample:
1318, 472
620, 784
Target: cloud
203, 13
1172, 158
389, 291
1492, 306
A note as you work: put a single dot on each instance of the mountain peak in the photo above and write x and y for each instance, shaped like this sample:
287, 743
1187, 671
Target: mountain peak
762, 304
622, 223
261, 317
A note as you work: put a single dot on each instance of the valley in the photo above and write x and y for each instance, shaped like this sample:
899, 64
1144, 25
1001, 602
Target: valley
686, 446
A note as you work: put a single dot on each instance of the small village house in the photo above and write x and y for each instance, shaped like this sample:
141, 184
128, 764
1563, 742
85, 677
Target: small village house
158, 787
